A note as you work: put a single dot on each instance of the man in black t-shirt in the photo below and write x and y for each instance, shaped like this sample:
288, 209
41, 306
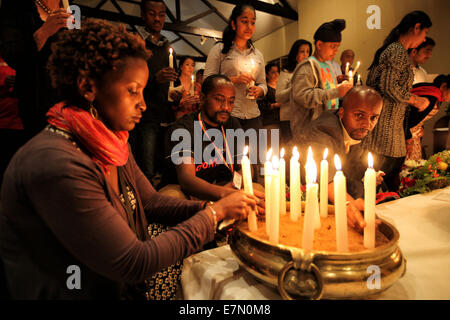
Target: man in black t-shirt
201, 146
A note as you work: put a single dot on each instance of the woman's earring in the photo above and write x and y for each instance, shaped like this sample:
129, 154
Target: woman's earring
93, 111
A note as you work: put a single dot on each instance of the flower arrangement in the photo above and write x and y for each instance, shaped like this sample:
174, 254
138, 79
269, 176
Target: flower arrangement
423, 176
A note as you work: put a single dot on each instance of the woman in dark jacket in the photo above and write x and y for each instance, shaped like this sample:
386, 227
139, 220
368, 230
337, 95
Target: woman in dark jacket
75, 204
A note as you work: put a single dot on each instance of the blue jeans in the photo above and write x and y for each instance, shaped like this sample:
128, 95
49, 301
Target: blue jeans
147, 142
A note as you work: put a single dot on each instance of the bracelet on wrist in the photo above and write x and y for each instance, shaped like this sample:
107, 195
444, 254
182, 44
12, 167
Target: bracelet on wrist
209, 205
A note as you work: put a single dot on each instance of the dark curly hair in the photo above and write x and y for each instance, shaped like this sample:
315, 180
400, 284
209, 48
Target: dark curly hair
92, 51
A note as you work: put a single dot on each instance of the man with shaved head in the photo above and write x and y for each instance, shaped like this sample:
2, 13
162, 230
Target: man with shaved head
341, 132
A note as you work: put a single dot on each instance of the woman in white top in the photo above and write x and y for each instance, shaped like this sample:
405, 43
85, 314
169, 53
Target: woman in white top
300, 50
239, 60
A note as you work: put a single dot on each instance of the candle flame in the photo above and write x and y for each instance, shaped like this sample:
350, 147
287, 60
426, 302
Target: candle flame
370, 160
325, 154
245, 150
350, 74
192, 77
295, 153
275, 162
269, 154
337, 162
282, 153
357, 65
171, 50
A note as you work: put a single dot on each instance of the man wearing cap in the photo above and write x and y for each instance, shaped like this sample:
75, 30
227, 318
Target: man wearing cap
314, 87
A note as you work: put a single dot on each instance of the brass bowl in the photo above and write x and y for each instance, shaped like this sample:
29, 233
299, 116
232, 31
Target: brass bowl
301, 274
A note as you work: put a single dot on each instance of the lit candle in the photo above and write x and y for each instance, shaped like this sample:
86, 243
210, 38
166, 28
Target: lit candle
248, 188
358, 82
347, 66
324, 185
310, 207
252, 83
282, 183
171, 63
65, 4
267, 180
357, 67
370, 183
192, 91
309, 180
340, 207
350, 77
294, 189
275, 202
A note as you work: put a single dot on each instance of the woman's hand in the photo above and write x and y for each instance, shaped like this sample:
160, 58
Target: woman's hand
55, 21
256, 92
421, 103
343, 88
354, 217
244, 78
236, 205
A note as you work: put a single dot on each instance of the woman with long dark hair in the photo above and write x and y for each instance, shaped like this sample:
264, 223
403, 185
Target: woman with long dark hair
391, 74
239, 60
300, 50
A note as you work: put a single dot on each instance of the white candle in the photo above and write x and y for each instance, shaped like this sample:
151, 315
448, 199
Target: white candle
295, 189
275, 202
267, 180
347, 65
350, 77
171, 63
358, 82
340, 207
282, 183
252, 83
324, 185
192, 90
310, 207
309, 179
248, 188
357, 67
65, 4
370, 183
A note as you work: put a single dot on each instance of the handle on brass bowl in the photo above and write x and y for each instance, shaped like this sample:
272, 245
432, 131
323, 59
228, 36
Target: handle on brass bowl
306, 288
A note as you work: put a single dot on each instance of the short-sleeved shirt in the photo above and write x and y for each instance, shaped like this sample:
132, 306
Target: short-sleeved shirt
209, 165
328, 81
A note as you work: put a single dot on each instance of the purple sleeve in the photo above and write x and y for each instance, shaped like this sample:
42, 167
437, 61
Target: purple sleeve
70, 198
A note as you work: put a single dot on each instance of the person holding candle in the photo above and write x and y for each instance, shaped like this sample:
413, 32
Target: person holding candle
300, 50
391, 74
342, 133
347, 59
27, 30
187, 101
269, 107
314, 88
75, 194
212, 178
233, 57
147, 139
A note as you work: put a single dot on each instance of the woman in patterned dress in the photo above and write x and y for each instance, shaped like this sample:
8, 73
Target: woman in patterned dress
391, 74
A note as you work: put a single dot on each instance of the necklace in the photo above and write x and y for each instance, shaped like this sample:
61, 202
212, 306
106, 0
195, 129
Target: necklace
43, 6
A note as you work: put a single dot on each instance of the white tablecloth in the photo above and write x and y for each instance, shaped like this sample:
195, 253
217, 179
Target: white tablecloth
424, 225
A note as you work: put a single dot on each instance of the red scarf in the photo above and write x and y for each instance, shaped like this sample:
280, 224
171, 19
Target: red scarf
427, 91
105, 146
